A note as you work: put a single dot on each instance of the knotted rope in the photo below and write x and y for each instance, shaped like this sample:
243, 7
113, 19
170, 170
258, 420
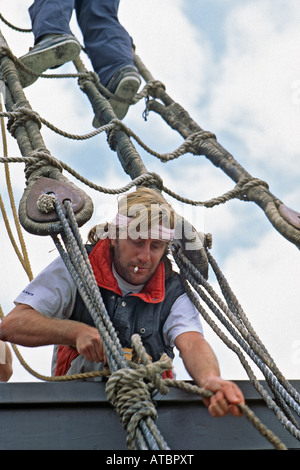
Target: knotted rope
240, 329
129, 392
75, 257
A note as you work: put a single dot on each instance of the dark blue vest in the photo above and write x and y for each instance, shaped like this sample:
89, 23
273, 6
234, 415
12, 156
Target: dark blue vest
130, 315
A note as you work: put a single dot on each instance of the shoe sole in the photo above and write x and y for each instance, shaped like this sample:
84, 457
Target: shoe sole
126, 89
53, 56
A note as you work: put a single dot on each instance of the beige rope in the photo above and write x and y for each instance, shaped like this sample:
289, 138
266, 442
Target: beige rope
247, 412
129, 392
62, 378
16, 28
191, 144
24, 258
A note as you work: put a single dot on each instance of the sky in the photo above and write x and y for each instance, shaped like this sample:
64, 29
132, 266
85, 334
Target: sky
234, 65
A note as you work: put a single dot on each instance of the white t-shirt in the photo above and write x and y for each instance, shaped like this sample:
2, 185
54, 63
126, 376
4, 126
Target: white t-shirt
53, 293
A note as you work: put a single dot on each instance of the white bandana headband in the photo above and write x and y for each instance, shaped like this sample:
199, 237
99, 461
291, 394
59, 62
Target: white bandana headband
137, 229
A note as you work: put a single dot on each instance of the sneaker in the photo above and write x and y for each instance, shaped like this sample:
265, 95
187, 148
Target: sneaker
51, 52
124, 84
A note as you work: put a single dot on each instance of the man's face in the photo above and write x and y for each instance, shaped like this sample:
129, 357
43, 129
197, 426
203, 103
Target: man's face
143, 253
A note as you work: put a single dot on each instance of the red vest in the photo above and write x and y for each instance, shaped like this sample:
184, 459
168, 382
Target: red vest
101, 262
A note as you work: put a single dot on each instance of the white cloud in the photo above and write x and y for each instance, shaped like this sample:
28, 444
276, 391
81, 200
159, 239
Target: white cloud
253, 95
169, 46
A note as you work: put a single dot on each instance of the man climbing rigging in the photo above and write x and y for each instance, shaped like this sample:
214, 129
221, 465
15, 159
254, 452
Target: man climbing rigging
141, 292
106, 42
6, 370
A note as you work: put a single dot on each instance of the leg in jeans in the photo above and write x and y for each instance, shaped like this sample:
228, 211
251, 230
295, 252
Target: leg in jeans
54, 44
107, 43
51, 17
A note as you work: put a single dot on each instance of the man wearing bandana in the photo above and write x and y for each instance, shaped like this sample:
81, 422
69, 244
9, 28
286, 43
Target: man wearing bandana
141, 292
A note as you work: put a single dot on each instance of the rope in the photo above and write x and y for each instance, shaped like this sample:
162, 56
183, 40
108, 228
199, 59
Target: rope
77, 262
138, 420
129, 392
22, 114
247, 412
23, 254
16, 28
255, 351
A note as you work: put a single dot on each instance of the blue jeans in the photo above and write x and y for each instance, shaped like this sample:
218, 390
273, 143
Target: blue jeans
107, 43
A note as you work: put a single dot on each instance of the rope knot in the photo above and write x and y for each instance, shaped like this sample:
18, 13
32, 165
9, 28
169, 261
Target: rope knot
46, 203
113, 131
129, 389
39, 159
247, 183
195, 141
154, 179
20, 117
88, 76
152, 86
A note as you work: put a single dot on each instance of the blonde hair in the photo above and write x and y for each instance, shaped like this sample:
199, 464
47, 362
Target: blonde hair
146, 205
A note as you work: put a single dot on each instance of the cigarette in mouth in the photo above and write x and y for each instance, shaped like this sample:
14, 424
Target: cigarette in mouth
136, 269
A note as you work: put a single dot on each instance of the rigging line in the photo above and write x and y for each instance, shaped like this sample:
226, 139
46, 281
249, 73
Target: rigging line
242, 326
268, 400
185, 274
114, 126
108, 335
244, 408
281, 217
24, 258
142, 179
16, 28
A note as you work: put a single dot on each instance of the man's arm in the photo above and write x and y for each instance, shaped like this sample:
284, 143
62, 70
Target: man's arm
27, 327
202, 365
6, 368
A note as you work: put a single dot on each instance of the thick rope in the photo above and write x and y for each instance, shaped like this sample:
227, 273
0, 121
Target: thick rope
22, 114
23, 254
188, 273
129, 392
77, 262
75, 256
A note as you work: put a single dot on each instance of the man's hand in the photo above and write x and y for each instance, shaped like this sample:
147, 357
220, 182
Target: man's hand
89, 344
27, 327
202, 365
227, 396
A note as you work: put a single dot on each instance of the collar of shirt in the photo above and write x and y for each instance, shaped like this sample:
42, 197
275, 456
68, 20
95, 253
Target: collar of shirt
101, 260
125, 287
